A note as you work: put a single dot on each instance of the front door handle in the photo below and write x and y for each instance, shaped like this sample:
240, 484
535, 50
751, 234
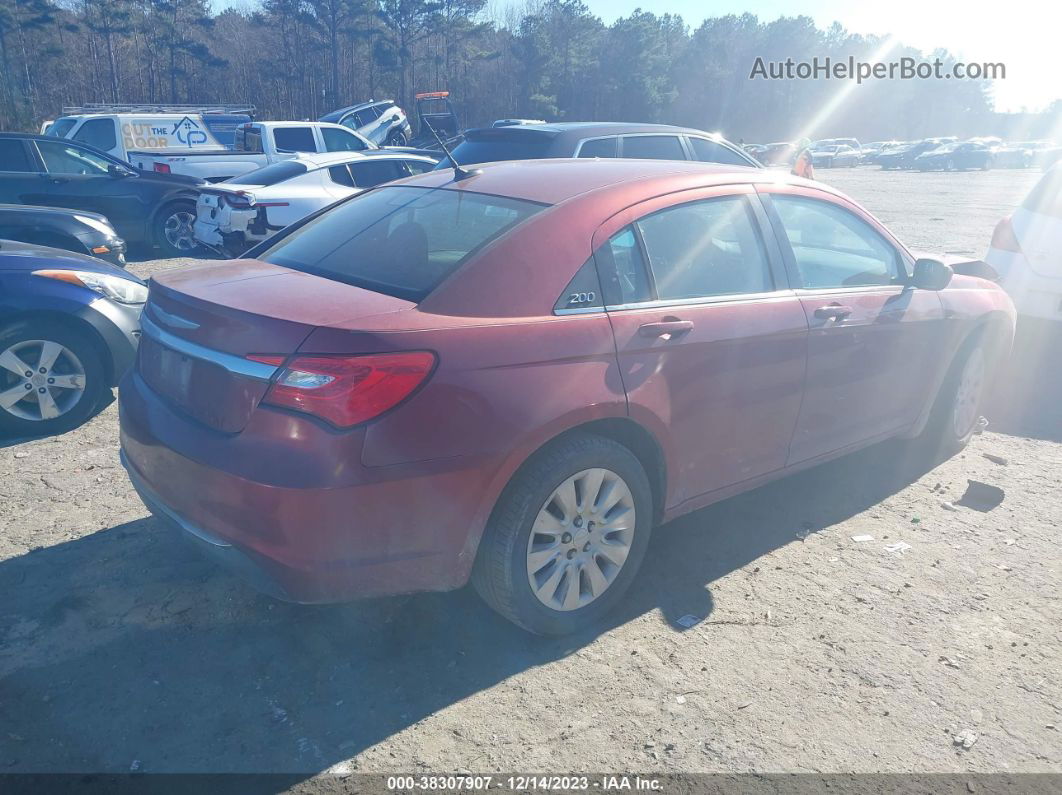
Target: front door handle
833, 312
666, 328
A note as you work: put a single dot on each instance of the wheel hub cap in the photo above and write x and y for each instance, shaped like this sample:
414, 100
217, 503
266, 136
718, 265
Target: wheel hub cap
580, 539
40, 380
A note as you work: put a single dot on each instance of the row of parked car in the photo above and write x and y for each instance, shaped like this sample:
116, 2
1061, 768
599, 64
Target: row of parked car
64, 193
929, 154
614, 339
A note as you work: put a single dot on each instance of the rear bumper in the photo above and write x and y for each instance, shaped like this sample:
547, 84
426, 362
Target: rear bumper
1033, 294
216, 549
297, 519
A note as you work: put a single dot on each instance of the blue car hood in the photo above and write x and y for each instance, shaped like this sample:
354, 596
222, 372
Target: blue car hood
17, 256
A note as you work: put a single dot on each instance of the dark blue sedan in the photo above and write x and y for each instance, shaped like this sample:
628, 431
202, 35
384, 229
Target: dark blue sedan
69, 326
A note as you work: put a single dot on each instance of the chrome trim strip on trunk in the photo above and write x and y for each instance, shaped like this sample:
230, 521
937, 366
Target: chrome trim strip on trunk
237, 365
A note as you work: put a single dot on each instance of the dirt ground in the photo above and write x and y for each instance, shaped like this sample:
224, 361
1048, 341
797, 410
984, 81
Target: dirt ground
120, 649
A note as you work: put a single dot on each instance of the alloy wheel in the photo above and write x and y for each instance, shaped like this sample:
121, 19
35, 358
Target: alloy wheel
178, 230
41, 380
580, 539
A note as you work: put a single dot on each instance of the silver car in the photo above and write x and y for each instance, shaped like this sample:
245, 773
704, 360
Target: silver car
381, 121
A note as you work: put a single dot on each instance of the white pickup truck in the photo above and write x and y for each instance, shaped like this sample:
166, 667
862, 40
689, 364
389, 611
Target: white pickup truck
256, 144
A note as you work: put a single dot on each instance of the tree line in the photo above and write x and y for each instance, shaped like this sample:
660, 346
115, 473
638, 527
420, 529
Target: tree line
548, 59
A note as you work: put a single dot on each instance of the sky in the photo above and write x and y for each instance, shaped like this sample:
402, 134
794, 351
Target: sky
1022, 34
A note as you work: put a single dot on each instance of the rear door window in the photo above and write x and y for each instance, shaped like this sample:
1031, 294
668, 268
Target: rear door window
14, 157
624, 273
295, 139
401, 241
705, 248
653, 147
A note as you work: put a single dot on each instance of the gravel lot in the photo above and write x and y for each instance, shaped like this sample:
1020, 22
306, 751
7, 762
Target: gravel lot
121, 650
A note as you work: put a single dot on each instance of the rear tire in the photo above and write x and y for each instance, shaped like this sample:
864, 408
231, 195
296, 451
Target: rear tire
173, 229
574, 569
397, 138
74, 382
956, 413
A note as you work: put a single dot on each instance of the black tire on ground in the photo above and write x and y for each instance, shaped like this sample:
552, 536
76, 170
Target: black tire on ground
500, 572
172, 229
77, 342
397, 138
941, 433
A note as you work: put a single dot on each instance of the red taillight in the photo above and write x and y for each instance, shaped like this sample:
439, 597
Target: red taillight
1003, 238
347, 390
162, 168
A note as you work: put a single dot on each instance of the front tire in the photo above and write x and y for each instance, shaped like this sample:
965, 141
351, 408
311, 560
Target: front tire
957, 411
51, 378
567, 536
173, 229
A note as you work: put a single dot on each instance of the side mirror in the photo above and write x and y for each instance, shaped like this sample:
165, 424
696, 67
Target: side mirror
931, 274
118, 172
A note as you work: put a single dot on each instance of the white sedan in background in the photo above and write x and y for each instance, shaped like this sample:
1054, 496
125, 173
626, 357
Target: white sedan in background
234, 215
1026, 250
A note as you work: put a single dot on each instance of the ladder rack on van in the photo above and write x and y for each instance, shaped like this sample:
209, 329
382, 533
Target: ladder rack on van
78, 110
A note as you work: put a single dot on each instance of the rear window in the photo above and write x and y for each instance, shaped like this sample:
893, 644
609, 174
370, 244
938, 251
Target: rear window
401, 241
1046, 197
272, 174
487, 148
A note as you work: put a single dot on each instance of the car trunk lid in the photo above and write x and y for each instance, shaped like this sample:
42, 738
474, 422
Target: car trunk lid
202, 324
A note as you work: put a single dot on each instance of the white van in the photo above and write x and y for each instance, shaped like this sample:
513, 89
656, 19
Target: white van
124, 130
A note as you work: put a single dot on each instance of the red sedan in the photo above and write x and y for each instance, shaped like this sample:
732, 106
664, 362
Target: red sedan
512, 376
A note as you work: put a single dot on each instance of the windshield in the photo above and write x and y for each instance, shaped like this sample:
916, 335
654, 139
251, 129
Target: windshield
401, 241
60, 127
272, 174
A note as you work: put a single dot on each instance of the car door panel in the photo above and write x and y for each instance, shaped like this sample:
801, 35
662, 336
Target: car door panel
722, 377
870, 346
118, 198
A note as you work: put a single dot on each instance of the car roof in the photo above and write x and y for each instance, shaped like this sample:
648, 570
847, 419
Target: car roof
82, 144
320, 159
555, 180
589, 129
335, 114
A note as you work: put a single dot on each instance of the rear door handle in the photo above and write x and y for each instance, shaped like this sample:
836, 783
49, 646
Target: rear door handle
666, 328
833, 311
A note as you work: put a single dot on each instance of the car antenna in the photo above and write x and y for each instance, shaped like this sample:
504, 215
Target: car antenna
459, 171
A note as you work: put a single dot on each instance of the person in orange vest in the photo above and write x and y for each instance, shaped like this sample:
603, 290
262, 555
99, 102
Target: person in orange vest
802, 166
